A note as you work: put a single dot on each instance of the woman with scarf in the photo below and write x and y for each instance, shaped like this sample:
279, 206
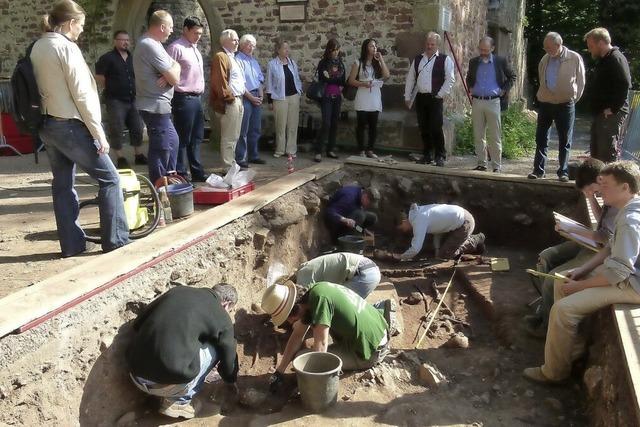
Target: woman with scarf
332, 73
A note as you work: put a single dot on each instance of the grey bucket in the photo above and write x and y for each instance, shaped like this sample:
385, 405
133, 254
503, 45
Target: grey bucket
351, 243
181, 199
318, 376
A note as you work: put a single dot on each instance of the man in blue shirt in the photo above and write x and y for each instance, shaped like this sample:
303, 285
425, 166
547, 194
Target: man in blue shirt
347, 209
489, 79
247, 146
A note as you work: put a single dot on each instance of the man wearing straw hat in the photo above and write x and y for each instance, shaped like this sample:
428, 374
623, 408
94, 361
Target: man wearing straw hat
358, 330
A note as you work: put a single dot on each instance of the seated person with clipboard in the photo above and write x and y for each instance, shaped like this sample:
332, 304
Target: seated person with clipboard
581, 245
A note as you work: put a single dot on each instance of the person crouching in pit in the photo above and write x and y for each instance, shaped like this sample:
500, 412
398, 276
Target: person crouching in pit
454, 222
359, 331
179, 338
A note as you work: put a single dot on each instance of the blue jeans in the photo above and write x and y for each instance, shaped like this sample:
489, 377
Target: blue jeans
163, 144
68, 144
330, 108
366, 279
188, 119
250, 129
563, 115
181, 392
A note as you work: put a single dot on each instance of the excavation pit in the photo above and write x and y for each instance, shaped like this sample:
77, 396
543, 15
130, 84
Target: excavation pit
70, 370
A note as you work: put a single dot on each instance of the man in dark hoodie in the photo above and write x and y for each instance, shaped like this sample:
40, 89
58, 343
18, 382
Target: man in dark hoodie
179, 338
608, 89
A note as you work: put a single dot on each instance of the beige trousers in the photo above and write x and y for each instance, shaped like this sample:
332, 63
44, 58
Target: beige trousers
485, 115
563, 345
230, 123
287, 112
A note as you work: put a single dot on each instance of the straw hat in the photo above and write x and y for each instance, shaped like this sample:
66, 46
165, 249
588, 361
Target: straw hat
278, 300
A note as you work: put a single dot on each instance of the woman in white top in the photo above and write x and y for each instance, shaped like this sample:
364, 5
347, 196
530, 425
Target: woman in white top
72, 131
283, 88
367, 74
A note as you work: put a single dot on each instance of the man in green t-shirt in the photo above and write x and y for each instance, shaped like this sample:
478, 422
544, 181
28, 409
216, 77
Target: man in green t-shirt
359, 330
354, 271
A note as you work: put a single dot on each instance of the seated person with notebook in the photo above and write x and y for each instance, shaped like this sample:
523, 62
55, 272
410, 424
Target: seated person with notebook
609, 277
570, 254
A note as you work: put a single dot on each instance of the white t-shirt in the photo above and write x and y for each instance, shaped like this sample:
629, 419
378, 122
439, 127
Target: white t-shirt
368, 99
431, 219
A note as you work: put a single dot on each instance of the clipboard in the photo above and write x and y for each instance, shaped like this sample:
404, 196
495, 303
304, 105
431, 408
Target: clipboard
579, 239
555, 276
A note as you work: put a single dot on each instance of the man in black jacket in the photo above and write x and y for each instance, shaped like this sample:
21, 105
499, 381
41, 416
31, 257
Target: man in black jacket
489, 79
608, 89
179, 338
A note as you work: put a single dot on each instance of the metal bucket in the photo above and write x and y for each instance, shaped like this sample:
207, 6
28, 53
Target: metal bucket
318, 376
181, 199
351, 243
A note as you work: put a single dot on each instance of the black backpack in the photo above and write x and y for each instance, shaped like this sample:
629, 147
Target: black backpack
26, 101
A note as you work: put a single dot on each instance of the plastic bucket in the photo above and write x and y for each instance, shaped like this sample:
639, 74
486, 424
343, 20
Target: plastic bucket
318, 377
181, 199
351, 243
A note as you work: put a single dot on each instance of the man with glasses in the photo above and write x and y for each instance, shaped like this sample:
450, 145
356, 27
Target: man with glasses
247, 147
561, 78
114, 73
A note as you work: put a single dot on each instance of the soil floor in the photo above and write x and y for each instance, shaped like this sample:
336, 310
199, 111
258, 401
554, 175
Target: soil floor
29, 249
483, 383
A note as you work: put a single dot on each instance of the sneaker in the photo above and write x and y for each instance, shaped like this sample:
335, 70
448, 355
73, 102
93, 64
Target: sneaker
140, 159
536, 375
440, 162
317, 158
276, 155
176, 409
258, 162
243, 166
480, 168
363, 154
332, 155
564, 178
535, 176
371, 155
122, 163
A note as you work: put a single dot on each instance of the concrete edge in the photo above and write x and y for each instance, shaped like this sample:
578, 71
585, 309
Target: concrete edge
51, 295
434, 170
627, 320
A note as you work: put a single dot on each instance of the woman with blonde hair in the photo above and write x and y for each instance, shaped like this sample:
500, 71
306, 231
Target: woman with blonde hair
283, 88
72, 131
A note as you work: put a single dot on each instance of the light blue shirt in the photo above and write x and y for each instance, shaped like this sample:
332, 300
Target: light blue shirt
275, 83
551, 73
486, 81
252, 73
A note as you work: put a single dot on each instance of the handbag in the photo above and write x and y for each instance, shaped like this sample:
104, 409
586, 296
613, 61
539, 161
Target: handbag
315, 91
349, 92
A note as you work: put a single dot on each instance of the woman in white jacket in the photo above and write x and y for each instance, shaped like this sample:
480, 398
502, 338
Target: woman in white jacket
72, 131
283, 88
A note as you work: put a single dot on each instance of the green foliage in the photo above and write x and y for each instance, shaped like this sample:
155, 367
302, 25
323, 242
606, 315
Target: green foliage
518, 134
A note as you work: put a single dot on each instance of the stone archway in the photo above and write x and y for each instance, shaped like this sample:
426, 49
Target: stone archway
131, 16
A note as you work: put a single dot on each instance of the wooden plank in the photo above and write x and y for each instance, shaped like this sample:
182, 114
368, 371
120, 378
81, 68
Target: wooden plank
49, 295
627, 318
435, 170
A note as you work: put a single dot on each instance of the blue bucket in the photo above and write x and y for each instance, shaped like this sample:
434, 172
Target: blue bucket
181, 199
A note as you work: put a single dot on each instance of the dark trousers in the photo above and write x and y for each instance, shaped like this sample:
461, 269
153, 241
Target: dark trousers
69, 143
330, 107
367, 119
188, 119
163, 144
563, 115
364, 219
250, 129
605, 136
430, 119
123, 116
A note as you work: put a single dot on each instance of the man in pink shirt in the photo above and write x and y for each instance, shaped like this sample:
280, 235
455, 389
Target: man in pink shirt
188, 116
